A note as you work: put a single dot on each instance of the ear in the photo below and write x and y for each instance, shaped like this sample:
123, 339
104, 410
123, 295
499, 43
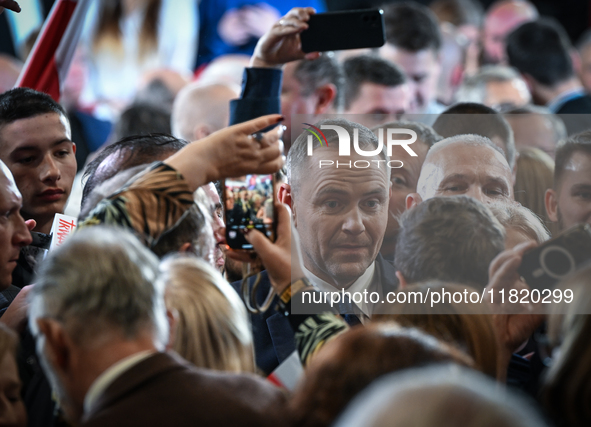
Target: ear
286, 197
58, 347
529, 81
551, 201
284, 194
412, 200
74, 147
401, 279
200, 131
173, 317
325, 95
186, 248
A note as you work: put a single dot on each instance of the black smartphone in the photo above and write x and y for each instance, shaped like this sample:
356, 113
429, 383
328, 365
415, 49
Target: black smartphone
249, 202
352, 29
543, 267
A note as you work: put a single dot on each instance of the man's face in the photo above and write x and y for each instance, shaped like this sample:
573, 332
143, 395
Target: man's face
40, 155
574, 194
293, 100
14, 234
404, 181
480, 172
219, 228
341, 215
13, 411
380, 104
497, 25
422, 69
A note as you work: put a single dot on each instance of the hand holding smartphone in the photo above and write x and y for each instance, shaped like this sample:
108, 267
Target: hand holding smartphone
249, 203
352, 29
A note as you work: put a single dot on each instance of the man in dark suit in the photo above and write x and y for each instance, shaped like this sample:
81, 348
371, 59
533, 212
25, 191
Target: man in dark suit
340, 209
540, 50
101, 328
273, 336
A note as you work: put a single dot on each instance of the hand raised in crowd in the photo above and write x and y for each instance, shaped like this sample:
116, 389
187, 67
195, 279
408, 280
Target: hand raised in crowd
513, 323
282, 259
231, 152
10, 5
282, 44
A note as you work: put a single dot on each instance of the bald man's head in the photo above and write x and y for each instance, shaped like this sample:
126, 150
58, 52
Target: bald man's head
201, 110
471, 165
501, 18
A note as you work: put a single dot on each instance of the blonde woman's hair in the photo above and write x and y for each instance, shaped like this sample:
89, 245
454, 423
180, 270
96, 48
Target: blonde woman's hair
535, 174
519, 218
213, 330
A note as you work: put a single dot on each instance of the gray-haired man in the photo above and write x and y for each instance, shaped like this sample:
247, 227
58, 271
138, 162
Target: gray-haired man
98, 314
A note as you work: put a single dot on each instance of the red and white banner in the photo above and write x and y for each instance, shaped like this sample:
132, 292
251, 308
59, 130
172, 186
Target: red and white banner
48, 63
62, 227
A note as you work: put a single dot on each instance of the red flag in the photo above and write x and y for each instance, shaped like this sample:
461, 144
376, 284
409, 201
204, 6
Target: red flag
48, 63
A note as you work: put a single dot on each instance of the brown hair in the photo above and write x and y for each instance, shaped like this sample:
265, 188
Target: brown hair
108, 30
460, 324
350, 362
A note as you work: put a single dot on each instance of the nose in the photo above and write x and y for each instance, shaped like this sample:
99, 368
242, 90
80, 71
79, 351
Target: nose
477, 193
219, 233
353, 222
49, 169
8, 412
22, 235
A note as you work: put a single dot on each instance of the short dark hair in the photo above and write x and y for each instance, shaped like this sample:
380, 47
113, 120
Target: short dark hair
412, 27
134, 150
452, 239
369, 69
580, 142
142, 118
541, 49
319, 72
459, 119
23, 103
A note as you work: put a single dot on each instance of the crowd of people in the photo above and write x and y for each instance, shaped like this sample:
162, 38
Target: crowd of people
146, 315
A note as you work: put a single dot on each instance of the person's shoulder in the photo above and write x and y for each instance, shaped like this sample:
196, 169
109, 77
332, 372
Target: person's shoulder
386, 273
164, 389
579, 105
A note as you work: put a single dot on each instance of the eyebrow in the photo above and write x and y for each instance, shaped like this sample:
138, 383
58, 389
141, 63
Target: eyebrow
34, 148
489, 179
332, 190
578, 187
